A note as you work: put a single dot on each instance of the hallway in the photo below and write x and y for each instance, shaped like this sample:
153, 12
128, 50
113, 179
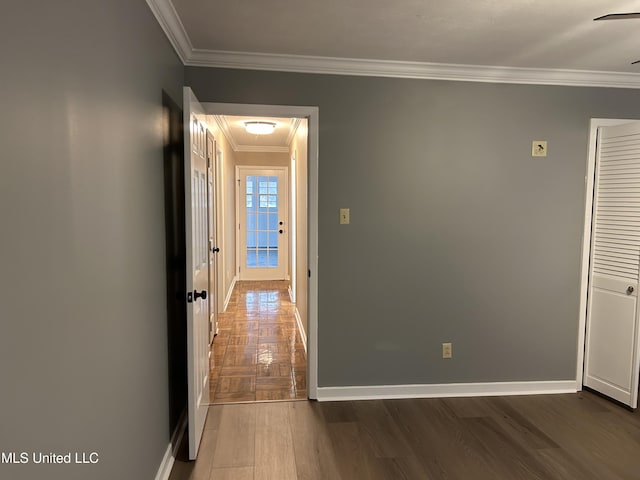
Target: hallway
258, 353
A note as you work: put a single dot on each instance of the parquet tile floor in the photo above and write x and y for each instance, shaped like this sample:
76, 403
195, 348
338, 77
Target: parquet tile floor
258, 354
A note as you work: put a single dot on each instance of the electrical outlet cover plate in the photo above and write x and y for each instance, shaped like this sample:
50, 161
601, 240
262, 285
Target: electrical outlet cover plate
446, 350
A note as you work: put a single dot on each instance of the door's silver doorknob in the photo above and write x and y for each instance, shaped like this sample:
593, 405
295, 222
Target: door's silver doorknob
630, 290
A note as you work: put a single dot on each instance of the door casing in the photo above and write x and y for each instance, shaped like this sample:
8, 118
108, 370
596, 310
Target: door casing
212, 196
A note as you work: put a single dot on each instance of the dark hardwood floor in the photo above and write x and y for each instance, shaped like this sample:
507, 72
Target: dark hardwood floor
546, 437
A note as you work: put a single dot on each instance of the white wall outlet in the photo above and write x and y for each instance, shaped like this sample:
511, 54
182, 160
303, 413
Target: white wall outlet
446, 350
344, 216
539, 148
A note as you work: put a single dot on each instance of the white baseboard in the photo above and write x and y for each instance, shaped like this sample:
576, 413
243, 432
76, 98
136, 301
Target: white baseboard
303, 334
228, 297
164, 471
380, 392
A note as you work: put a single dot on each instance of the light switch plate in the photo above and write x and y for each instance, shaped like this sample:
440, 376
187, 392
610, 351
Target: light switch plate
344, 216
539, 148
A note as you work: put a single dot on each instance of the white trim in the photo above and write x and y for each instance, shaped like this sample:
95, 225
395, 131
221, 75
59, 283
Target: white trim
419, 70
415, 70
227, 299
173, 28
221, 267
293, 223
290, 294
226, 130
164, 470
312, 251
586, 236
313, 115
327, 394
258, 110
293, 128
167, 464
303, 335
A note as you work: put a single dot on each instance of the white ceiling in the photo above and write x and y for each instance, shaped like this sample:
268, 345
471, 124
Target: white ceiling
547, 34
242, 141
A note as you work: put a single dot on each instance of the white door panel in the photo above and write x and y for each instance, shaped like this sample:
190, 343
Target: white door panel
197, 262
612, 317
611, 341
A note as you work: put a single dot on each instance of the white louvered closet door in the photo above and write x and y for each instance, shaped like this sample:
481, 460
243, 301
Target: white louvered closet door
611, 344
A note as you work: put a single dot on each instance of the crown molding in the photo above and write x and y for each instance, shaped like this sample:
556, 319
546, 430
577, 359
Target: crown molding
221, 120
173, 28
175, 31
293, 128
413, 70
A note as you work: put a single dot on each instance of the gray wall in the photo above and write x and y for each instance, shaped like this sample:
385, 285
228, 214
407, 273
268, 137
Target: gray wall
83, 330
457, 234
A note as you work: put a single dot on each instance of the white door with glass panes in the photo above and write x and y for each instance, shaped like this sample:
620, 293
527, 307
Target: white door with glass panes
262, 230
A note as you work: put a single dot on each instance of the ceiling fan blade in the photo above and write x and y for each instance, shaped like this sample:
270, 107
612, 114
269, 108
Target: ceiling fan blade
618, 16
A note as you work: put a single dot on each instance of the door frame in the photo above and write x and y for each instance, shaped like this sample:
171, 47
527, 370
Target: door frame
312, 115
589, 180
239, 207
293, 225
220, 223
214, 269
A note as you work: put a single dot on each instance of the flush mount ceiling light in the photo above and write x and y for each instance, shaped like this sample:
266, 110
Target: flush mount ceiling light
260, 128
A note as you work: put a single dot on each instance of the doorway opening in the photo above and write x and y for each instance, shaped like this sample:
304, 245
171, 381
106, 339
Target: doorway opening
267, 222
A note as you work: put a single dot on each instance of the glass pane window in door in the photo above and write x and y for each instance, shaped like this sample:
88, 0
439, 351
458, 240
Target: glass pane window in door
262, 257
250, 192
262, 221
252, 258
251, 240
262, 240
252, 222
272, 259
273, 240
273, 222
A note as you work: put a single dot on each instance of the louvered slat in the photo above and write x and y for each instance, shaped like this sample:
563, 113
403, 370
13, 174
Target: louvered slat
616, 242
